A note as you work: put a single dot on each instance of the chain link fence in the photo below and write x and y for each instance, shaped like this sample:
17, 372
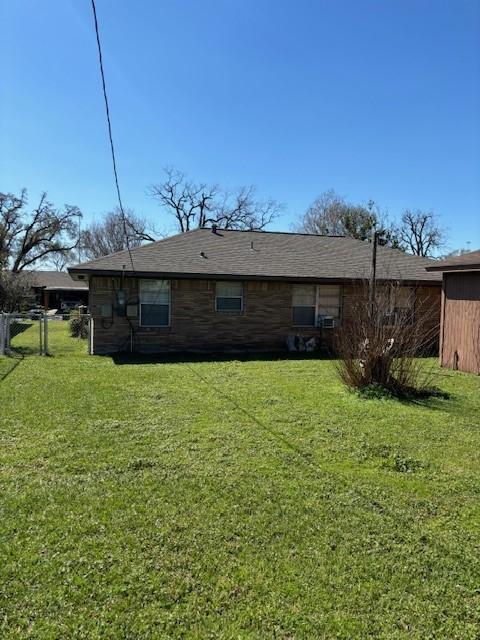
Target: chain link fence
41, 334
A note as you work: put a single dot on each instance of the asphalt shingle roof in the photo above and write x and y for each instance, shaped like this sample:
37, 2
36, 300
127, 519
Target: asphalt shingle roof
257, 254
464, 262
56, 280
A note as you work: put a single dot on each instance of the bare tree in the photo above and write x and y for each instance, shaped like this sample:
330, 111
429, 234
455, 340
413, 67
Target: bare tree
330, 214
419, 233
200, 205
108, 236
30, 238
241, 209
324, 216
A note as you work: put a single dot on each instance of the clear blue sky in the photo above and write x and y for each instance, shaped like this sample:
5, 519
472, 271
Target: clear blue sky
376, 99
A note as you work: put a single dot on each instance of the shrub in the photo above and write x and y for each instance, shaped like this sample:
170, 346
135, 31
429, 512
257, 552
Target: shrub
379, 346
79, 326
375, 391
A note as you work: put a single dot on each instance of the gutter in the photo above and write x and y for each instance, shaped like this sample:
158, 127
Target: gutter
81, 274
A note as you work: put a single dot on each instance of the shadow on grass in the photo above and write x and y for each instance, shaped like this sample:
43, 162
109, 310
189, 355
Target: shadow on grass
24, 351
15, 361
435, 402
191, 358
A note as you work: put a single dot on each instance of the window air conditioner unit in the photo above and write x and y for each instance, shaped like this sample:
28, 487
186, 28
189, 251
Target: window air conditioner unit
390, 319
328, 322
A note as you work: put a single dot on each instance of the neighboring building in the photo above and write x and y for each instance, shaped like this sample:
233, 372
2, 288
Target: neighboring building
211, 290
460, 313
57, 290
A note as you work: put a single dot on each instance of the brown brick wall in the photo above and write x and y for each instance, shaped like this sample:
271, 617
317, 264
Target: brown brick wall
264, 323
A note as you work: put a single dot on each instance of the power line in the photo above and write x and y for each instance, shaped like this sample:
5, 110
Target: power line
112, 149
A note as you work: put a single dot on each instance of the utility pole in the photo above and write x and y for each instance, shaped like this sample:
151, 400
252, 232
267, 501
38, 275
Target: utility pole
373, 276
79, 239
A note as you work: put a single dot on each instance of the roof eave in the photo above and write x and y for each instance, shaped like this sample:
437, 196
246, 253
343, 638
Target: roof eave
47, 288
457, 267
170, 275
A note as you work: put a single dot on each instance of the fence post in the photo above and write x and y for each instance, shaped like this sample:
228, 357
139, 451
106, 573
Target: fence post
7, 332
40, 335
2, 334
90, 335
45, 336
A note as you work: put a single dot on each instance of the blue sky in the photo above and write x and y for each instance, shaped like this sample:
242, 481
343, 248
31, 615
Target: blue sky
376, 99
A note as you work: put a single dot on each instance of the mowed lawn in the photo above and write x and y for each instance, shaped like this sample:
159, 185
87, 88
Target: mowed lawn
232, 499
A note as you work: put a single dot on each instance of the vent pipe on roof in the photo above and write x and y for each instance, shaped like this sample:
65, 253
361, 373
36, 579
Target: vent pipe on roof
214, 228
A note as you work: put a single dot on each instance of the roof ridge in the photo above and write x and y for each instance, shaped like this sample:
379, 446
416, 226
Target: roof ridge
286, 233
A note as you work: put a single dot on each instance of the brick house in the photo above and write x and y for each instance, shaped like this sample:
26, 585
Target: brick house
213, 290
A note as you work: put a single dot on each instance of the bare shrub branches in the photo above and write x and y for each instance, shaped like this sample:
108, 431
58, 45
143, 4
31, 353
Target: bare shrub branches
381, 342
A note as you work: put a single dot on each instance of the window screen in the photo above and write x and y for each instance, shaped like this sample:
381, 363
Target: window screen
229, 296
329, 301
303, 302
154, 303
311, 302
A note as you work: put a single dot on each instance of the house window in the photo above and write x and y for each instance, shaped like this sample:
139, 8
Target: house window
329, 301
304, 305
404, 299
311, 304
154, 303
229, 297
403, 303
398, 304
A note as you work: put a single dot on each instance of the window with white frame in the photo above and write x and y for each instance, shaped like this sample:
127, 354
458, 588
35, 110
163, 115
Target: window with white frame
229, 297
312, 304
154, 303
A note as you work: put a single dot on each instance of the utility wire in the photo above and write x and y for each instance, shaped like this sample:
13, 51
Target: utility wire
112, 149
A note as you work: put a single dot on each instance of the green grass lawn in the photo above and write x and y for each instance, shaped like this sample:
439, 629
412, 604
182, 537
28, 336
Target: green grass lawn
232, 499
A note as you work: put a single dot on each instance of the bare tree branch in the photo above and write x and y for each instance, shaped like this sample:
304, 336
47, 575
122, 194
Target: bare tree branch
419, 233
330, 214
200, 205
108, 236
26, 238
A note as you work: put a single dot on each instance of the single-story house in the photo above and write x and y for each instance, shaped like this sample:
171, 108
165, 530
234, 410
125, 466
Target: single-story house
213, 289
460, 312
58, 290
